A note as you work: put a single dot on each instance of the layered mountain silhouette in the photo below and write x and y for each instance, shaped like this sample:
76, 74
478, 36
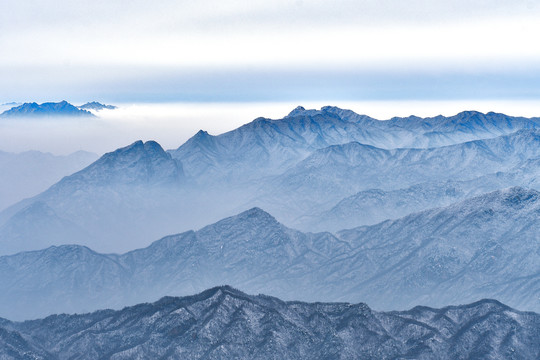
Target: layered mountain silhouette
62, 108
371, 206
482, 247
331, 175
225, 323
119, 189
267, 146
431, 212
297, 168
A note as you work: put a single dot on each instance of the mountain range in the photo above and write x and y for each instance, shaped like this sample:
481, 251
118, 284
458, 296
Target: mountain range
121, 188
94, 105
371, 206
62, 108
286, 167
223, 322
484, 247
446, 223
270, 146
422, 212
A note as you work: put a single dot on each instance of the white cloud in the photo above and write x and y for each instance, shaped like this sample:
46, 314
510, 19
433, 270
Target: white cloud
68, 43
281, 32
172, 124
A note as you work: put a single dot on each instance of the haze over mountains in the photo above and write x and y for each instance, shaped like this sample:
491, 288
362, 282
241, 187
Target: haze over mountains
295, 168
485, 247
225, 323
27, 174
465, 217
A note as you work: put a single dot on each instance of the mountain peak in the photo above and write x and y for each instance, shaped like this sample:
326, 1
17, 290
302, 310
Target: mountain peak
153, 146
470, 113
200, 138
202, 133
223, 289
299, 110
255, 213
252, 218
139, 146
140, 162
253, 226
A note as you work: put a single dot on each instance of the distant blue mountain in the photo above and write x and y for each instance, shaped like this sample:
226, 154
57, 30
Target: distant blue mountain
94, 105
62, 108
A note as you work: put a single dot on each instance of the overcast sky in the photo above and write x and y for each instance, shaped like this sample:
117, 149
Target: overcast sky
187, 50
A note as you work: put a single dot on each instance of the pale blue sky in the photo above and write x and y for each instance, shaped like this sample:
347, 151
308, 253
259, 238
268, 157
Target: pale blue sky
280, 50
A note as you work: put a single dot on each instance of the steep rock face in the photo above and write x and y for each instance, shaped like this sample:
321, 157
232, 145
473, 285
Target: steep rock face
226, 323
62, 108
483, 247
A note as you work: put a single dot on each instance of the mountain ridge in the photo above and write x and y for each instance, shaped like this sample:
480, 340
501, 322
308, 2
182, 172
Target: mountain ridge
62, 108
304, 131
223, 322
94, 105
490, 240
274, 164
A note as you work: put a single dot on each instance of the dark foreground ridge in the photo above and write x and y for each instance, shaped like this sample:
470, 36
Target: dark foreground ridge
224, 323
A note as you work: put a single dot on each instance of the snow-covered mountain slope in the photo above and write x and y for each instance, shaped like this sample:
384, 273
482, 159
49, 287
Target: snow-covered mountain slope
372, 206
224, 323
140, 192
62, 108
27, 174
487, 246
138, 163
355, 164
251, 250
331, 174
132, 185
267, 147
